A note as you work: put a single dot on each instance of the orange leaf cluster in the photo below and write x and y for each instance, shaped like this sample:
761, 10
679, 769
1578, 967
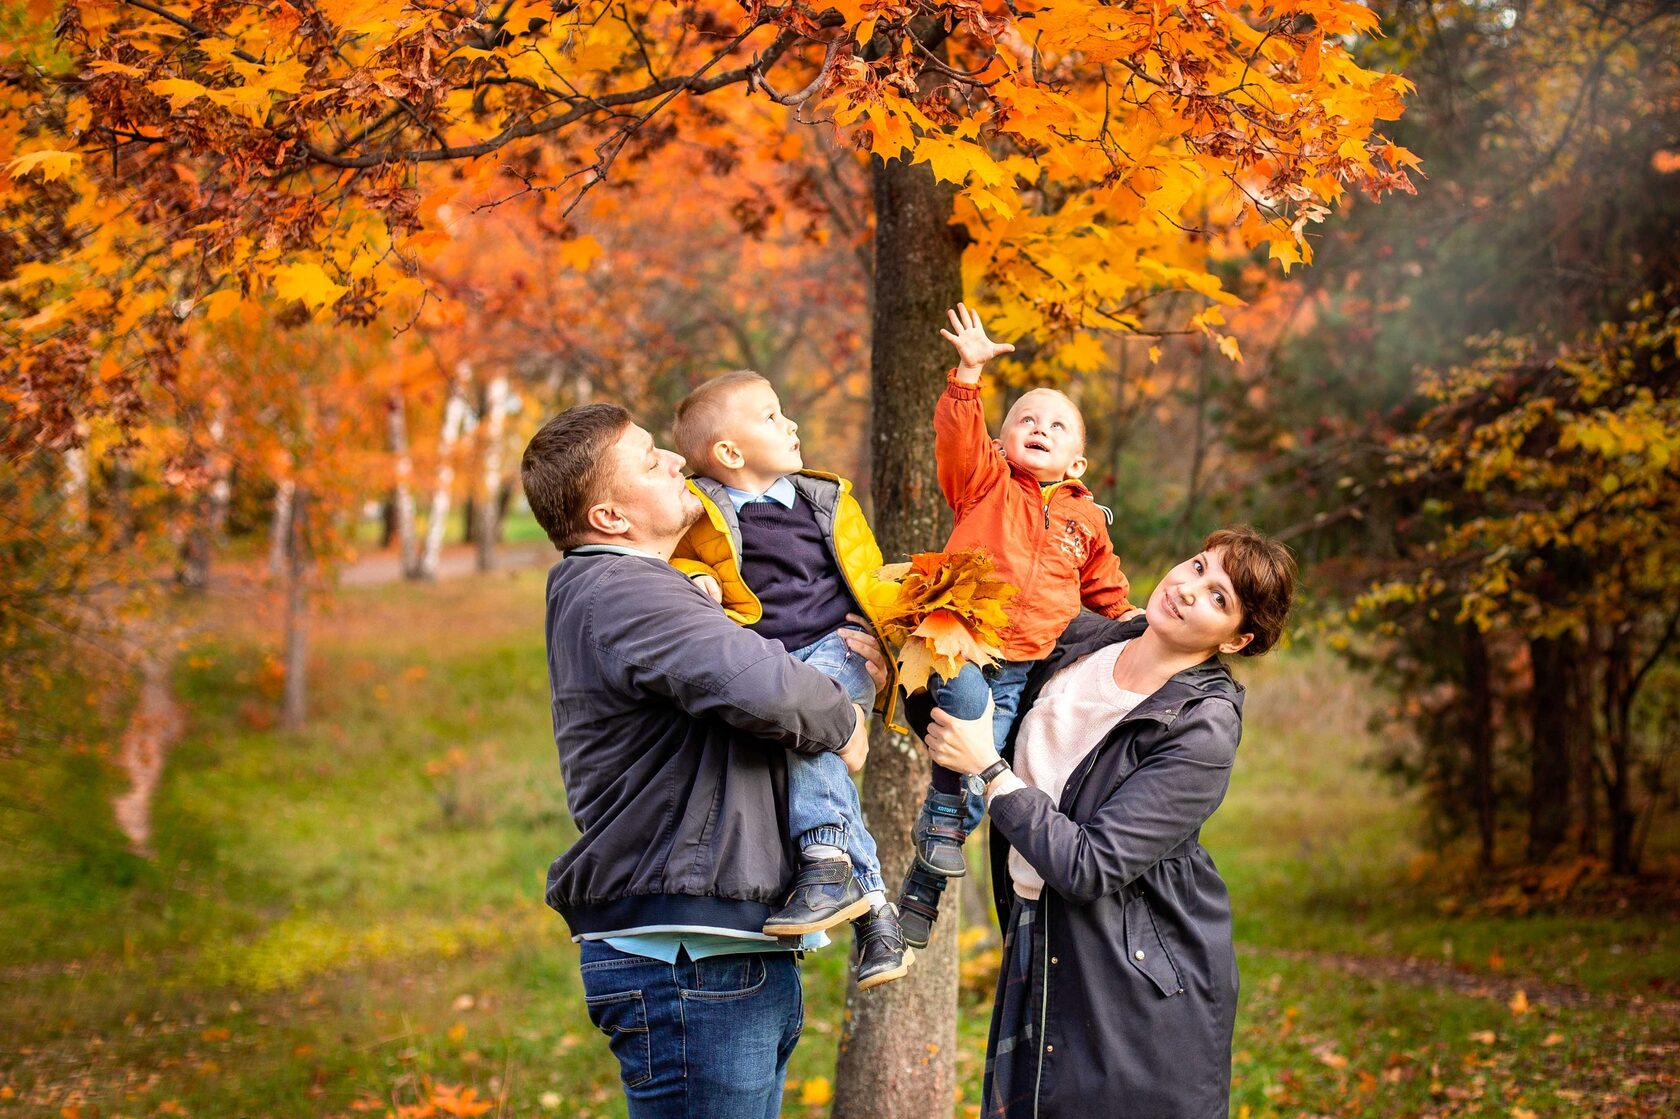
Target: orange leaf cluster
946, 611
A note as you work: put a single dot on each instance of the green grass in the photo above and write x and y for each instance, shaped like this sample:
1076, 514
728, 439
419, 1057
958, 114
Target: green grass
340, 917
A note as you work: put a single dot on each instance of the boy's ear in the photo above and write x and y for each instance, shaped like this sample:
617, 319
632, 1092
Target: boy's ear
728, 455
1077, 467
997, 445
605, 519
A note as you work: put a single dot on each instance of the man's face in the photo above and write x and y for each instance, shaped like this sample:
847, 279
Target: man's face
1194, 608
767, 440
646, 489
1041, 435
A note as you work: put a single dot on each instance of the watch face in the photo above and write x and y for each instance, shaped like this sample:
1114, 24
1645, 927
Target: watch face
975, 786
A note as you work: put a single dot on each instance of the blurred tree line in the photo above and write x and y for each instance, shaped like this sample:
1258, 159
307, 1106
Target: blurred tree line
1468, 422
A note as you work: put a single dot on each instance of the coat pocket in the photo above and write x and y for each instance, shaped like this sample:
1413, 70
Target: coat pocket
1147, 952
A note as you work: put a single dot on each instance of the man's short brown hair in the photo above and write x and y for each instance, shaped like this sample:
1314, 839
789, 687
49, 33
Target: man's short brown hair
1262, 572
565, 468
703, 416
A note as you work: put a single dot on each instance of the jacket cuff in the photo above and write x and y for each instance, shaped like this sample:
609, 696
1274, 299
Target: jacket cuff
1005, 782
960, 390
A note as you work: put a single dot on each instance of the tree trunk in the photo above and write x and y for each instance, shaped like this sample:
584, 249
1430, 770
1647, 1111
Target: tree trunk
294, 707
454, 416
279, 527
402, 495
897, 1054
1619, 692
489, 507
1478, 734
74, 488
1556, 709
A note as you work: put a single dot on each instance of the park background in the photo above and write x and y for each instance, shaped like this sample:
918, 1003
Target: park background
284, 289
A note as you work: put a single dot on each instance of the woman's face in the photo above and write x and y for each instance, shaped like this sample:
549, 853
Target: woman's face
1193, 608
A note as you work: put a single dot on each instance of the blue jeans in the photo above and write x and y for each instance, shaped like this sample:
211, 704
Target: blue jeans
823, 804
964, 696
706, 1039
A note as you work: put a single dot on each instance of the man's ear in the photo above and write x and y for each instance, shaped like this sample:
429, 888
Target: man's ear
1076, 467
1237, 644
604, 518
727, 455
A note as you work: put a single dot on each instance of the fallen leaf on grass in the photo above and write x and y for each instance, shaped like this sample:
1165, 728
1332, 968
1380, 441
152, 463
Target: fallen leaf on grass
816, 1092
1519, 1003
1486, 1037
1552, 1039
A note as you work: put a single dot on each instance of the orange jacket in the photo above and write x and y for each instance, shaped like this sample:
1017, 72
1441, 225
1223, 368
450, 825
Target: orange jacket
1051, 543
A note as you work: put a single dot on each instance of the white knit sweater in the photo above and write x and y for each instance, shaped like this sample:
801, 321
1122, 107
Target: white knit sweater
1075, 710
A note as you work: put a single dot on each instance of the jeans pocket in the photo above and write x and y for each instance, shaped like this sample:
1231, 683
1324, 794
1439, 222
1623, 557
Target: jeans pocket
720, 978
1147, 952
622, 1016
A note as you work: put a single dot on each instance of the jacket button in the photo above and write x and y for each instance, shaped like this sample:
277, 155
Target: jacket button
1054, 960
1138, 955
1049, 1048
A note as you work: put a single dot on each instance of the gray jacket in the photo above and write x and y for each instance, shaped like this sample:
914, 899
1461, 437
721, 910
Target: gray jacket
672, 724
1141, 990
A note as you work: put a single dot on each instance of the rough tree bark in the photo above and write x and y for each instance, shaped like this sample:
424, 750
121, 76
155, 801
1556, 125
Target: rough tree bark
897, 1055
1478, 732
1557, 709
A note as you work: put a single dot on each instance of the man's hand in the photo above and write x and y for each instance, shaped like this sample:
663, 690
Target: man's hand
713, 589
962, 745
862, 642
974, 349
856, 749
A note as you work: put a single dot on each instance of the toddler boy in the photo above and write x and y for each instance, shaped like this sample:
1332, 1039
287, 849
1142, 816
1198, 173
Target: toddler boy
1019, 498
787, 552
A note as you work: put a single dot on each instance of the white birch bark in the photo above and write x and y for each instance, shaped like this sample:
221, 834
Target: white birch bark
75, 489
489, 506
454, 416
408, 544
280, 527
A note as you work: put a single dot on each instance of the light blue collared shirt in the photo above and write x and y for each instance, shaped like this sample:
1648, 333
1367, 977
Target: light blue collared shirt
781, 491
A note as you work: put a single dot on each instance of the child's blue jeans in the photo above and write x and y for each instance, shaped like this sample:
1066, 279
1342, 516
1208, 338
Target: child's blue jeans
823, 804
964, 696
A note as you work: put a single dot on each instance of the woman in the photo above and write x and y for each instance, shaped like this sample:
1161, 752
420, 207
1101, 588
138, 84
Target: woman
1119, 983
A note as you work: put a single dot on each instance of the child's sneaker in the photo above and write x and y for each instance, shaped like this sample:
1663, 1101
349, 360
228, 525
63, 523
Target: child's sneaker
824, 895
882, 954
940, 834
918, 905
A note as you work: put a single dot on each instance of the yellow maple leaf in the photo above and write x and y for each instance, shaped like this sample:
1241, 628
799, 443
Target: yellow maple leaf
180, 91
307, 283
49, 164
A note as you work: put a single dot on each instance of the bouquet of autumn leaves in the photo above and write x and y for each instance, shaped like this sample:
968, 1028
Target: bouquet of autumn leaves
941, 611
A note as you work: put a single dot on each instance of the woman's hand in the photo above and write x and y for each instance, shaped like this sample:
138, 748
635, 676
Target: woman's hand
963, 745
863, 643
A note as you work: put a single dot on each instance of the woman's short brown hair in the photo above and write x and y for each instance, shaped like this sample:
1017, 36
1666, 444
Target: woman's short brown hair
564, 467
1262, 572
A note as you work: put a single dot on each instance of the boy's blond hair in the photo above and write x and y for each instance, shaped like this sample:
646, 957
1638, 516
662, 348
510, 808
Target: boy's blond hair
703, 417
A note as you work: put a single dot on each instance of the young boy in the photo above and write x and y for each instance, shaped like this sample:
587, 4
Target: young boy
786, 551
1019, 498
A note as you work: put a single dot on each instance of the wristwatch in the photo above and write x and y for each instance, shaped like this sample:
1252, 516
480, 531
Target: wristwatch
977, 782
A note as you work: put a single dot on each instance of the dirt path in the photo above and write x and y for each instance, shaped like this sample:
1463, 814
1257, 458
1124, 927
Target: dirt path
1437, 975
157, 725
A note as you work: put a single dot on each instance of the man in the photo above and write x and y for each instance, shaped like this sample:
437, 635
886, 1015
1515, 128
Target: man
672, 724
